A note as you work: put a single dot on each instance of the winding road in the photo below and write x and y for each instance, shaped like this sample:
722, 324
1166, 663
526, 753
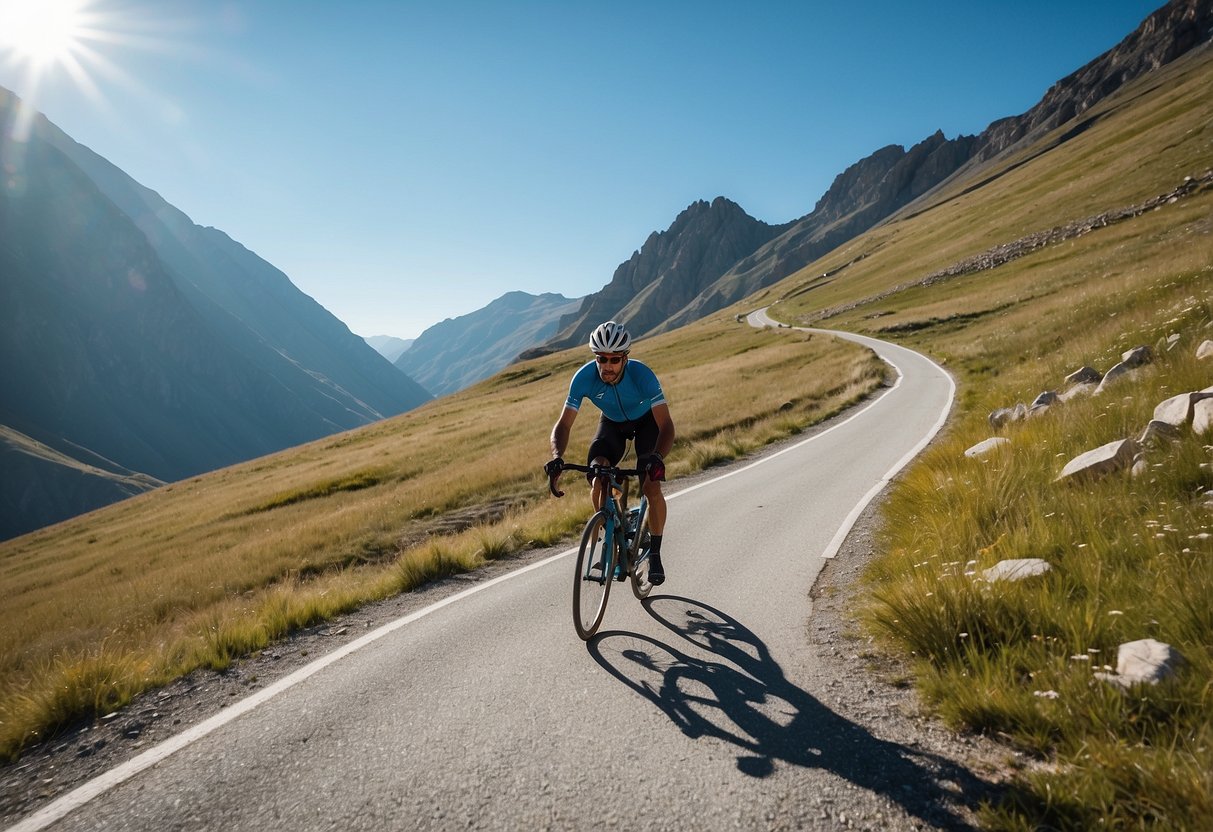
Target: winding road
485, 710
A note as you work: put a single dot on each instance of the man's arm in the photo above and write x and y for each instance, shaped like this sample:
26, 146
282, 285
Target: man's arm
561, 431
665, 427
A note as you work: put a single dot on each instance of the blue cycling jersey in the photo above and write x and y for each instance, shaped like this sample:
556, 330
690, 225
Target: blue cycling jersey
625, 401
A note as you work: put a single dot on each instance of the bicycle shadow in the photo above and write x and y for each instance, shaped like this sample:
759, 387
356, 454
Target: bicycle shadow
745, 699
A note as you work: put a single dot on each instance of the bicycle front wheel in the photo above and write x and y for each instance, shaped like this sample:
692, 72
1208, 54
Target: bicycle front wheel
592, 578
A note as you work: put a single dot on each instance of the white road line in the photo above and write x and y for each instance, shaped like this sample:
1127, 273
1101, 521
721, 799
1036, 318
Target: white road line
61, 807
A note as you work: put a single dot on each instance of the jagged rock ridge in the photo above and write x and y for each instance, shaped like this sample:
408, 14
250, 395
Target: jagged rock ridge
892, 180
669, 270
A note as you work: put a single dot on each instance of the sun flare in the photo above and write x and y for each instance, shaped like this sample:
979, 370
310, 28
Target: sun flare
41, 32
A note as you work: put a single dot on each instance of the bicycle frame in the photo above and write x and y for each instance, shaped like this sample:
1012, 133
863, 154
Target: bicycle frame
619, 558
617, 483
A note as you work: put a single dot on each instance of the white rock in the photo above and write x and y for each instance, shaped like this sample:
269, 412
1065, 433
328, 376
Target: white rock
1177, 410
1085, 375
1016, 569
1084, 389
987, 446
1146, 661
1205, 350
1202, 416
1137, 356
1121, 369
1159, 431
1105, 459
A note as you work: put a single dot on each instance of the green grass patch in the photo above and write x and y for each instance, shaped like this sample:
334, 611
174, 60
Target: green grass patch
349, 482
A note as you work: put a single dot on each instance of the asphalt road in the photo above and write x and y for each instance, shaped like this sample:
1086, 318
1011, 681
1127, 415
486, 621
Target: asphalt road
690, 711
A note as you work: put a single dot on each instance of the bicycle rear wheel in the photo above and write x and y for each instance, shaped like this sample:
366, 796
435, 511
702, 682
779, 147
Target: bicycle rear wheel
639, 548
593, 576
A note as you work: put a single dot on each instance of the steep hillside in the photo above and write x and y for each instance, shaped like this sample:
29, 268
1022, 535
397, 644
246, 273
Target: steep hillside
133, 341
461, 351
255, 304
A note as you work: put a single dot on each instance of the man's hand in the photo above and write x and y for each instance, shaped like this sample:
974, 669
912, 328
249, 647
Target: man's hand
654, 467
552, 468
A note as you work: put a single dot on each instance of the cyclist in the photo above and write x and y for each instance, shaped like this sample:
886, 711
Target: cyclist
633, 407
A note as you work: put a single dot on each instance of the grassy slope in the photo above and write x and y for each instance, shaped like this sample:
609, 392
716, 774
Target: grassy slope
1132, 557
195, 573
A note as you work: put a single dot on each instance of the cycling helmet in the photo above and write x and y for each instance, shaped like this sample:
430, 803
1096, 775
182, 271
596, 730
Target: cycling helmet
610, 337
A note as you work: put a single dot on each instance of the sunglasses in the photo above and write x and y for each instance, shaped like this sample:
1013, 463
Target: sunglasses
610, 359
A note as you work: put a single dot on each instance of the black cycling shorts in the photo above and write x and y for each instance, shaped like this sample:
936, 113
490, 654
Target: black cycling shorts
611, 440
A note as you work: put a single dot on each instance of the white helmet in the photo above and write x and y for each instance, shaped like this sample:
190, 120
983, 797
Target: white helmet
610, 337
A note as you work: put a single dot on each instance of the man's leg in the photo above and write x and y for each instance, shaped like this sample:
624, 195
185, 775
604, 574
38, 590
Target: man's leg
652, 490
598, 487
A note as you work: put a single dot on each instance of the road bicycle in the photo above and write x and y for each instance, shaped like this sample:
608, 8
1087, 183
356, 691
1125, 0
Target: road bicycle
614, 547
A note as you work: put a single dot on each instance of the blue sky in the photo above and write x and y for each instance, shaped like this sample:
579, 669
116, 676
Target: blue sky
406, 162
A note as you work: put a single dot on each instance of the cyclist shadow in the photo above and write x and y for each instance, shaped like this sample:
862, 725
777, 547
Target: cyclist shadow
744, 698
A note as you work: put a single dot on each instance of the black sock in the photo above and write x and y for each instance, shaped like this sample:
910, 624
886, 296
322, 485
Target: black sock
655, 544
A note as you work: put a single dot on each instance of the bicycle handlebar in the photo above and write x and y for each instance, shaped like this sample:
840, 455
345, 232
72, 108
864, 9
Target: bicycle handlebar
596, 470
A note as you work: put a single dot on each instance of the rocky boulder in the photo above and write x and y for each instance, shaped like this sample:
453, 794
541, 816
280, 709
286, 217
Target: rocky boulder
1017, 569
988, 446
1106, 459
1145, 661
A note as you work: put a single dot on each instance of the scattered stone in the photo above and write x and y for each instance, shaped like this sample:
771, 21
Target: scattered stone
1040, 405
1004, 415
1016, 569
987, 446
1105, 459
1140, 467
1085, 375
1121, 369
1158, 432
1177, 410
1205, 350
1137, 357
1202, 415
1085, 389
1146, 661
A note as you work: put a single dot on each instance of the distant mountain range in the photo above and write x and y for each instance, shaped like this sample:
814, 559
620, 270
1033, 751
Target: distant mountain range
461, 351
389, 346
137, 347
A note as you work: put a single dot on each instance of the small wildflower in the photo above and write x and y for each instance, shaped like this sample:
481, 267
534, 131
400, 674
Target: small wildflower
1046, 694
1080, 658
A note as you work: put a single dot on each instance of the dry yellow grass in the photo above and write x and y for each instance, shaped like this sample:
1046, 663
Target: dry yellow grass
198, 572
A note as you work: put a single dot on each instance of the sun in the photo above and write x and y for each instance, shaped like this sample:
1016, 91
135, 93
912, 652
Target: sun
41, 32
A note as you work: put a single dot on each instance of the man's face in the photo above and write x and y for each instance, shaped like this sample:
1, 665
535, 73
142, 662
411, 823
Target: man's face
610, 366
